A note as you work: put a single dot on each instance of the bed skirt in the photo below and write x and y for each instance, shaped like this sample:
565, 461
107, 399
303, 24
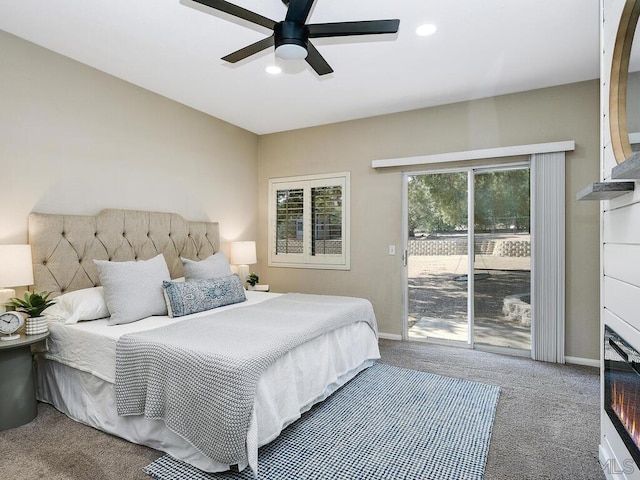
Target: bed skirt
285, 391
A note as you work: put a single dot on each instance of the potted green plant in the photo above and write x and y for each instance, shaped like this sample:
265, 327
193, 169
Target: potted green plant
32, 305
252, 280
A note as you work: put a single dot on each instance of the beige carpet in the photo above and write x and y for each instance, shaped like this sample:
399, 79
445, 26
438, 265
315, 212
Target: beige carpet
546, 426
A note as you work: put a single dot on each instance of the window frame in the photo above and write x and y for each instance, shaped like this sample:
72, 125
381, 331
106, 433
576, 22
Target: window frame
306, 259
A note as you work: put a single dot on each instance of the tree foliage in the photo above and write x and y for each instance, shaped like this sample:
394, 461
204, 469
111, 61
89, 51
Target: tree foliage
438, 202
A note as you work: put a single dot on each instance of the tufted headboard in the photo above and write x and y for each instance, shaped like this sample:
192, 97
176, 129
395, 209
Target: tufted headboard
64, 246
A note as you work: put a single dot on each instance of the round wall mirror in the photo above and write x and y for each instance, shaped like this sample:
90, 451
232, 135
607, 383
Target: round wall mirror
624, 98
633, 94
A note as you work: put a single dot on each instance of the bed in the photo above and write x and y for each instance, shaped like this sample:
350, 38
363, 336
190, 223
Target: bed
82, 369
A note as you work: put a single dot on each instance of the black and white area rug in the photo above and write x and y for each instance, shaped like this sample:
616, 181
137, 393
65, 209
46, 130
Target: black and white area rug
387, 423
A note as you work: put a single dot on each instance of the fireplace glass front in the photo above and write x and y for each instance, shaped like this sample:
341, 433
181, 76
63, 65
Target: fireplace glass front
622, 389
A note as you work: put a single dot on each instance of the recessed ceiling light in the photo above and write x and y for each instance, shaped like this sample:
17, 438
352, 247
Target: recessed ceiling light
426, 30
273, 69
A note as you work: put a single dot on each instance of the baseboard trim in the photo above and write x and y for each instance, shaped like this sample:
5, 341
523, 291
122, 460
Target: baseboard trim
389, 336
587, 362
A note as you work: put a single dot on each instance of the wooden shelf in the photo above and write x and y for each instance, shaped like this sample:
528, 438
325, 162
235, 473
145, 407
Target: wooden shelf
627, 170
605, 190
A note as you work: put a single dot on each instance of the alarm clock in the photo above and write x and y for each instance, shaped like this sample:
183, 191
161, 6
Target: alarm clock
9, 323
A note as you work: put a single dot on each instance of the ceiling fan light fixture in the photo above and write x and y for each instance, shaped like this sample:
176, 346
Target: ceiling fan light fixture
291, 51
291, 35
291, 40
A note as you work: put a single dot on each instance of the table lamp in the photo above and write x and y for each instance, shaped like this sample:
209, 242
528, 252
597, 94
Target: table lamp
243, 254
16, 270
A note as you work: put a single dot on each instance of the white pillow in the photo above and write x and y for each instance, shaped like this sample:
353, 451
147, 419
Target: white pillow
214, 266
133, 290
79, 305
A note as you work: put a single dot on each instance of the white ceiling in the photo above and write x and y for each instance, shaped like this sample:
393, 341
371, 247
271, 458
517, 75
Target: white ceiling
173, 47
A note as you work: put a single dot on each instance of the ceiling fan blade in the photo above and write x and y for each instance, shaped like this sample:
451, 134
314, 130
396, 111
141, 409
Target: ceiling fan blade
317, 61
298, 10
239, 12
343, 29
249, 50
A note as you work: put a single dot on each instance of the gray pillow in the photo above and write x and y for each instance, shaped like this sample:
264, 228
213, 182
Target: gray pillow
133, 290
184, 298
214, 266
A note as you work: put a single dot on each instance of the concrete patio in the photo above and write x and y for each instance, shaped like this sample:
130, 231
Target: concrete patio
438, 299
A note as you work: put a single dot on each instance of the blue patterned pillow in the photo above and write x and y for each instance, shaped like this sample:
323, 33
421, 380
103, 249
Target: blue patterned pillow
184, 298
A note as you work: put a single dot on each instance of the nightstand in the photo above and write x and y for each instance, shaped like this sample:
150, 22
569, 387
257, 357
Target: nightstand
18, 403
259, 288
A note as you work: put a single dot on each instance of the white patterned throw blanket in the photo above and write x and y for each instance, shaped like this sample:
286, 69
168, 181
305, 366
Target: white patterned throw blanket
200, 376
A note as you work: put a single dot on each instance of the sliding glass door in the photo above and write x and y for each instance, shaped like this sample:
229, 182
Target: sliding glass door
437, 257
502, 260
457, 222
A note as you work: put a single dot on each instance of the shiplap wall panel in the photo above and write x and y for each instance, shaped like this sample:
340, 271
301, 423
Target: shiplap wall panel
622, 299
622, 225
622, 328
609, 162
619, 263
623, 200
620, 244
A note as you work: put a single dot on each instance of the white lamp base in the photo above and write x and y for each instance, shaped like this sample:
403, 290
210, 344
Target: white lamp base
6, 294
243, 273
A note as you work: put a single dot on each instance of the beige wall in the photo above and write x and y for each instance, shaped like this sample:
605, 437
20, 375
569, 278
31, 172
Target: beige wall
554, 114
75, 140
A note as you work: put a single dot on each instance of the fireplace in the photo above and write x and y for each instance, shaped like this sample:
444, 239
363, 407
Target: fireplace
622, 390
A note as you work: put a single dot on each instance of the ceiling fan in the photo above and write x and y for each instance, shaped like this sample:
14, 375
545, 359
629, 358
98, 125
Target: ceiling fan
291, 36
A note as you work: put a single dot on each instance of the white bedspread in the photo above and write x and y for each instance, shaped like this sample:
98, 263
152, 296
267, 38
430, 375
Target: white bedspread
200, 378
91, 346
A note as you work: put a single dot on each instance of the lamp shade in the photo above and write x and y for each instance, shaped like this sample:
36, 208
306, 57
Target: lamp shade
243, 253
16, 267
